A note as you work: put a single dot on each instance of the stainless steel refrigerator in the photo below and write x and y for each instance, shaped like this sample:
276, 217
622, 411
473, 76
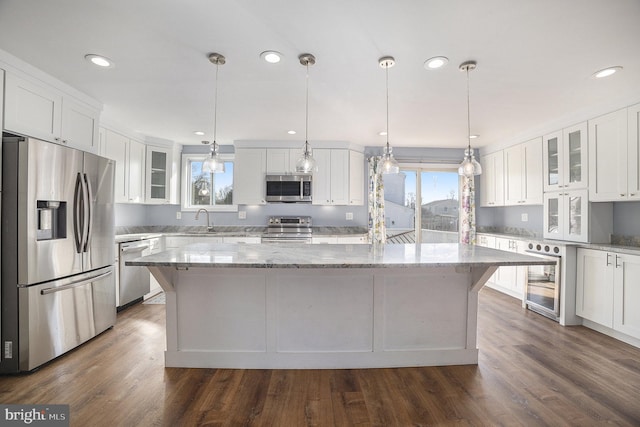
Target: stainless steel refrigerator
57, 234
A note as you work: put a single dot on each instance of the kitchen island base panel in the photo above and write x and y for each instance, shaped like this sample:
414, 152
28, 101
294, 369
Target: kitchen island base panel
320, 318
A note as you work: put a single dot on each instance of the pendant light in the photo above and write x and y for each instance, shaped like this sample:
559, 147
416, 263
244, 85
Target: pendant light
306, 163
469, 166
214, 164
389, 163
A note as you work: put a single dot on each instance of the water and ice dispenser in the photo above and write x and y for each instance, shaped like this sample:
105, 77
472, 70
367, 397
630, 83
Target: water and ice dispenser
52, 220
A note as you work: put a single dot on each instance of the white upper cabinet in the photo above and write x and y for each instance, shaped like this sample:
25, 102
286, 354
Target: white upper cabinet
565, 159
158, 174
137, 154
44, 112
116, 147
79, 126
356, 178
613, 156
492, 180
248, 176
130, 160
331, 181
523, 173
31, 109
568, 215
633, 152
282, 160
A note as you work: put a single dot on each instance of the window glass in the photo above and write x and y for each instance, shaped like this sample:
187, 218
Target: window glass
202, 189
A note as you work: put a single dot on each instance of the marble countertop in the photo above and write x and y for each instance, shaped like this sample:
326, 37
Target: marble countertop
333, 256
612, 247
140, 233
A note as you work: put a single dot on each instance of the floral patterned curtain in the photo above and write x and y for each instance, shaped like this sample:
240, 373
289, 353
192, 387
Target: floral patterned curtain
377, 228
468, 211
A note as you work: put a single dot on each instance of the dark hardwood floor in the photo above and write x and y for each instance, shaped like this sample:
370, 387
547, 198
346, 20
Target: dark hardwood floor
531, 372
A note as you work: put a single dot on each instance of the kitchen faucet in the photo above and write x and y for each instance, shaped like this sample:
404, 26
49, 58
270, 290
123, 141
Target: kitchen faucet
209, 227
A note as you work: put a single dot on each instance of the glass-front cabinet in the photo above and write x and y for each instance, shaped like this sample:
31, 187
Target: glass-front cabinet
566, 215
158, 174
565, 159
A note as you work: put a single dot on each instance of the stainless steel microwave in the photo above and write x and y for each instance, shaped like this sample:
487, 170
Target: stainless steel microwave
290, 188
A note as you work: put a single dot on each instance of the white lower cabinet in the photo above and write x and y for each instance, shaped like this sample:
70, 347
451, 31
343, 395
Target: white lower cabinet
173, 242
241, 239
508, 280
608, 290
353, 239
324, 240
345, 239
594, 286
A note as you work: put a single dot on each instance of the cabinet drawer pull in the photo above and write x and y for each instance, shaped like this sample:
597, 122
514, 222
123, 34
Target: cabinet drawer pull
622, 194
632, 194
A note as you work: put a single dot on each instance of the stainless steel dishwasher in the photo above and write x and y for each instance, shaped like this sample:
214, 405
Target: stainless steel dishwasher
134, 281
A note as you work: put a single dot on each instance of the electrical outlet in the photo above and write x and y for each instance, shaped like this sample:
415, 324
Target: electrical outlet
524, 217
349, 216
242, 214
178, 215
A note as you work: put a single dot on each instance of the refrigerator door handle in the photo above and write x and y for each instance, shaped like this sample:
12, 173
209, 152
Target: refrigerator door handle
78, 220
88, 213
75, 284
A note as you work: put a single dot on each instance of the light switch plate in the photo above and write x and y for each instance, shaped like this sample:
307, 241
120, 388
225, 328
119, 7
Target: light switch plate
524, 217
242, 214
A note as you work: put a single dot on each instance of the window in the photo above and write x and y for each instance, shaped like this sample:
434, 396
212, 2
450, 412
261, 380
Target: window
421, 205
212, 191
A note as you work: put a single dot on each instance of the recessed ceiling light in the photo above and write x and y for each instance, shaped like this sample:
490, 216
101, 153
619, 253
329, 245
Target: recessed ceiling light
198, 132
383, 133
607, 72
271, 56
436, 62
99, 60
291, 132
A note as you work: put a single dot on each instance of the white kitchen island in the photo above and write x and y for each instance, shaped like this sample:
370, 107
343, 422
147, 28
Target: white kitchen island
299, 306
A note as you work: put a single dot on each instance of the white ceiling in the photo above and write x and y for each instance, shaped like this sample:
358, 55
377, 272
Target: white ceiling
535, 59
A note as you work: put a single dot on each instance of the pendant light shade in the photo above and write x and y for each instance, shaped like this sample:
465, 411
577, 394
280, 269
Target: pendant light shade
389, 164
469, 166
214, 164
306, 163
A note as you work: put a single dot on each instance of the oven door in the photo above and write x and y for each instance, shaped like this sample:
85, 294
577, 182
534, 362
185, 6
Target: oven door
542, 290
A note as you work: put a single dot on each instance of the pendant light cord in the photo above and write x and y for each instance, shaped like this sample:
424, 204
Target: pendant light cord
468, 115
306, 119
215, 111
386, 73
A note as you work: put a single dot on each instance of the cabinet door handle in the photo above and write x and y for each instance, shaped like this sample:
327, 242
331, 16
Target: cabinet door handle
618, 265
632, 194
608, 262
622, 194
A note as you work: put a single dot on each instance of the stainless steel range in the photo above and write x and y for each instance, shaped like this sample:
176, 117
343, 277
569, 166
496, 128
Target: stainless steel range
288, 229
543, 282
